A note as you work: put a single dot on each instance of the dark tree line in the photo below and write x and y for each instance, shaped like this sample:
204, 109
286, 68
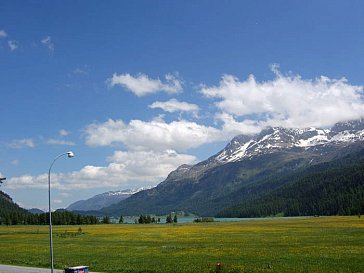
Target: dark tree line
171, 219
147, 219
58, 218
12, 214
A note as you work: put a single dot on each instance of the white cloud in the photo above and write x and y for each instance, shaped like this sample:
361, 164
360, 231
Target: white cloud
21, 143
29, 181
142, 85
174, 105
156, 135
63, 132
149, 165
125, 170
13, 45
47, 41
231, 127
59, 140
53, 141
3, 33
288, 101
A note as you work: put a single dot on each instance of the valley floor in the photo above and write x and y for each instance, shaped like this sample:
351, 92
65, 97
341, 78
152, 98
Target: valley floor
323, 244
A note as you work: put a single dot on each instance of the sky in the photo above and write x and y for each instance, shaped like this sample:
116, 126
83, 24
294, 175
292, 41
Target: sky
137, 88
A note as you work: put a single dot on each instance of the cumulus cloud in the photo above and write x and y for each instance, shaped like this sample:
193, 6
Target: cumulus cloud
143, 85
3, 34
124, 170
231, 127
29, 181
155, 135
21, 143
174, 105
13, 45
47, 41
288, 101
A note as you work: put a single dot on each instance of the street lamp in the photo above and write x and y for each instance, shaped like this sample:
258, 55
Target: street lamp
69, 154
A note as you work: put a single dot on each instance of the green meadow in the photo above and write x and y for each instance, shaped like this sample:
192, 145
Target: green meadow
322, 244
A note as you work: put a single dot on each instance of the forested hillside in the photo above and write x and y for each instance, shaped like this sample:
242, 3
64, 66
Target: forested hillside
334, 188
12, 214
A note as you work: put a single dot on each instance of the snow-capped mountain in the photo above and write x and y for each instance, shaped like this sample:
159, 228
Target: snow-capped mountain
248, 167
102, 200
275, 139
272, 140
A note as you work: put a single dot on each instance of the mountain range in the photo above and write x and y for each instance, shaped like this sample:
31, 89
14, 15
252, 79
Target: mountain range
252, 168
103, 200
279, 171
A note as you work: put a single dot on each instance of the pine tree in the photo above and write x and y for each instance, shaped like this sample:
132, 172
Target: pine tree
106, 220
169, 219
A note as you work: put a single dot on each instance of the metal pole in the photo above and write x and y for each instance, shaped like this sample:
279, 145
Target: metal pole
50, 211
50, 218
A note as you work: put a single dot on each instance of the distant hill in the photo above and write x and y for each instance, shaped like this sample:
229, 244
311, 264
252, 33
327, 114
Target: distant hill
251, 168
103, 200
35, 211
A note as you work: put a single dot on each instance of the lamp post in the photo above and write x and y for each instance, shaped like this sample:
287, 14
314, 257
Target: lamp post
69, 154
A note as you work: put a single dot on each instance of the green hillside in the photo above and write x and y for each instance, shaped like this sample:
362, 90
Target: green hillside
10, 212
333, 188
220, 189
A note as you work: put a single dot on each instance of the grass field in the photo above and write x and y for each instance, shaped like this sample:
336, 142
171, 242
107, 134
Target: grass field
324, 244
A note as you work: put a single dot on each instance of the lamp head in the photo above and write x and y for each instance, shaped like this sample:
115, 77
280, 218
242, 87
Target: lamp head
70, 154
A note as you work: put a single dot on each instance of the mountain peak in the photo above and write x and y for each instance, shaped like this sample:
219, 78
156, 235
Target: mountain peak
274, 139
352, 125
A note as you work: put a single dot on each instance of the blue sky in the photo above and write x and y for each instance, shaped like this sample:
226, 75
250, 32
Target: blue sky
137, 88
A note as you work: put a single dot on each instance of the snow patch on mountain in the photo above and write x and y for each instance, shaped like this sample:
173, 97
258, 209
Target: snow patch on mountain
103, 200
274, 139
124, 192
